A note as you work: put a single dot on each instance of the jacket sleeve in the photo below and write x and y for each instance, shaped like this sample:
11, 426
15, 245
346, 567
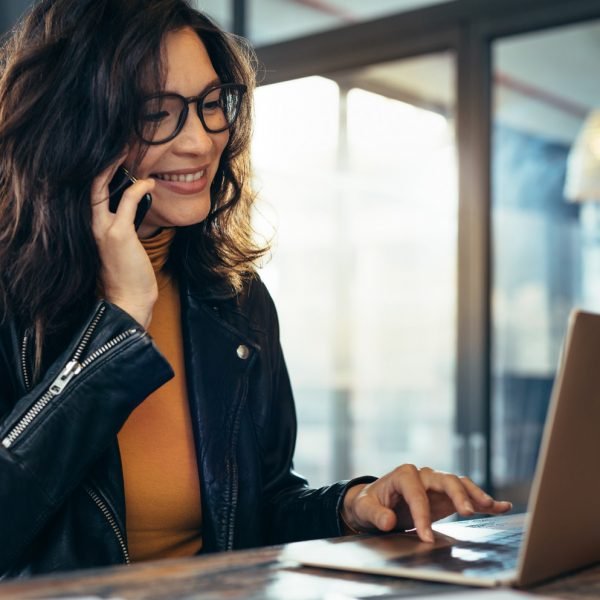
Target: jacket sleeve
293, 510
52, 435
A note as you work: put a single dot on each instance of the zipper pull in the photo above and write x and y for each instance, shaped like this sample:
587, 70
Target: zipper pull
58, 385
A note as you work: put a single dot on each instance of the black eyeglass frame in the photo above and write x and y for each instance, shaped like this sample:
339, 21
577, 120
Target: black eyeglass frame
199, 100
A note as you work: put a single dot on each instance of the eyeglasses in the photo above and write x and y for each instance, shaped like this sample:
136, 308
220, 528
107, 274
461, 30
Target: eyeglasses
164, 115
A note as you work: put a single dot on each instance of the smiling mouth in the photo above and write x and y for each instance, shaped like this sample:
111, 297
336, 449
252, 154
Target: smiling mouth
181, 178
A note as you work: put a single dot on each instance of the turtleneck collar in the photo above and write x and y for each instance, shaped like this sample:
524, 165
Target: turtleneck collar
157, 247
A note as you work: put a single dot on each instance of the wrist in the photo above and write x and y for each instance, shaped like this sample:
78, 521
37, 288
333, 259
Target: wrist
144, 318
347, 515
141, 314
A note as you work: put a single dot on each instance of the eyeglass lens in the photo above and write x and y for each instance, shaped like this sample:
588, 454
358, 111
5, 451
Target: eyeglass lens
162, 116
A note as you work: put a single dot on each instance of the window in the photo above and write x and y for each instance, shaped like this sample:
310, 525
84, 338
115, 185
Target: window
357, 174
545, 248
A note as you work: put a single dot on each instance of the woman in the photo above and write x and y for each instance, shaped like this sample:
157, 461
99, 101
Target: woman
145, 407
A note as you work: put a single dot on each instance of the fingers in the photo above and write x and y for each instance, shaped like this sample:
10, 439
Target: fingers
408, 483
478, 496
100, 184
120, 222
374, 514
126, 273
410, 497
454, 488
466, 497
471, 498
101, 216
125, 215
397, 500
483, 502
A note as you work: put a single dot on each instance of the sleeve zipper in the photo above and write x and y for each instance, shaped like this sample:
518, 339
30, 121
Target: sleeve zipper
73, 368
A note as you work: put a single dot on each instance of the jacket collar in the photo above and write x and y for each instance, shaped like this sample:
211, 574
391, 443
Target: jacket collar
216, 291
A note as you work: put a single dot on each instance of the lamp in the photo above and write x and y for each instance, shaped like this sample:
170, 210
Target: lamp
583, 164
582, 184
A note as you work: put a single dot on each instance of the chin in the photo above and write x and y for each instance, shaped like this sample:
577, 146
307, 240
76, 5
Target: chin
182, 218
185, 221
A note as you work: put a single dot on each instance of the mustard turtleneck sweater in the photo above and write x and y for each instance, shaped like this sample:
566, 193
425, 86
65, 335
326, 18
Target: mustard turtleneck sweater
162, 491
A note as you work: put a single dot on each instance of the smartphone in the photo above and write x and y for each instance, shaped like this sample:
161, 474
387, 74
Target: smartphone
120, 182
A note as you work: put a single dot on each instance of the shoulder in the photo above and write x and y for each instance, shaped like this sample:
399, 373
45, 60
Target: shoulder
256, 303
250, 308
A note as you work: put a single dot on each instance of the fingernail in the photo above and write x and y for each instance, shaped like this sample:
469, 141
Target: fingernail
469, 507
429, 535
382, 522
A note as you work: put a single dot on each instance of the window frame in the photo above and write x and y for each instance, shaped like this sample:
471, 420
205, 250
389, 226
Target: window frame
468, 28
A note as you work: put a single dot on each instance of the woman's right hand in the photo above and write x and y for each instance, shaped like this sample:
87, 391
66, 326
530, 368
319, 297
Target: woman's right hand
126, 273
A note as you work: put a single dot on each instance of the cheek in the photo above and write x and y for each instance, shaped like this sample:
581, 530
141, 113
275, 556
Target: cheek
145, 166
220, 146
221, 142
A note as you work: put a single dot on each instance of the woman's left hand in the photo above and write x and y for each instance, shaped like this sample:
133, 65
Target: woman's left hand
410, 498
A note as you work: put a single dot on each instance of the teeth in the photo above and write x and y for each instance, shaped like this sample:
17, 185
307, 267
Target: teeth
182, 178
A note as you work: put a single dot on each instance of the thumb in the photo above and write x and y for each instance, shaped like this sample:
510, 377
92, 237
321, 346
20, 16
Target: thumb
385, 519
370, 513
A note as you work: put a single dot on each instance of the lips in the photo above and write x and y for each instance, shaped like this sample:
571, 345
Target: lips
188, 181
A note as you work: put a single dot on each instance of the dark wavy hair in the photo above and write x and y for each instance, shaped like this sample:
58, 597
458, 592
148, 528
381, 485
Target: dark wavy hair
72, 76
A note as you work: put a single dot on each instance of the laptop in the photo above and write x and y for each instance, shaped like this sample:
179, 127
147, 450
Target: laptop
560, 531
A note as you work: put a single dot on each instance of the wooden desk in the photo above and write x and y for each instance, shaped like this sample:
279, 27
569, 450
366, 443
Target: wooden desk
253, 574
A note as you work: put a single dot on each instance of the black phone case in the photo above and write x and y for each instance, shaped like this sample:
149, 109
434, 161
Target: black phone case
120, 182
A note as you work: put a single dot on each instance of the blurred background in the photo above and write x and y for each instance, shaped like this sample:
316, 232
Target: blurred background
430, 172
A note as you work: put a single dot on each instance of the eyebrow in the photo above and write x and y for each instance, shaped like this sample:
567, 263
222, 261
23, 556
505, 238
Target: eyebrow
210, 84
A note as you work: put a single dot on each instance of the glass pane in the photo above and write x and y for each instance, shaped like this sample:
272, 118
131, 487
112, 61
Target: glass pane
219, 11
546, 248
11, 12
357, 174
274, 21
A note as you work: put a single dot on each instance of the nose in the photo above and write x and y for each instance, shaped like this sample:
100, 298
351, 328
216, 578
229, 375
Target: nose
193, 137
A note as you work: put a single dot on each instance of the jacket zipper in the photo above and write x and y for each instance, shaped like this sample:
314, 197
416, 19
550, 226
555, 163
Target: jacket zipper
99, 502
234, 474
231, 519
26, 379
73, 368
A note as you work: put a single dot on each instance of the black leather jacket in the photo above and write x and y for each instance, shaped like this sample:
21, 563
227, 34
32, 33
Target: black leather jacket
61, 487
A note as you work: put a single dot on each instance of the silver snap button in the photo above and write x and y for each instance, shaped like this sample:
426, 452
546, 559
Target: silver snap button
243, 352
